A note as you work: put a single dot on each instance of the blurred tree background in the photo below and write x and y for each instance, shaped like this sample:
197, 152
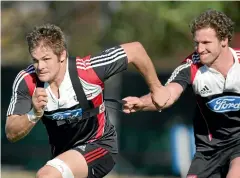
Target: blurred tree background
162, 27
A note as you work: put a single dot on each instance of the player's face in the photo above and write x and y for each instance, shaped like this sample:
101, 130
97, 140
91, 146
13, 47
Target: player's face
46, 63
208, 45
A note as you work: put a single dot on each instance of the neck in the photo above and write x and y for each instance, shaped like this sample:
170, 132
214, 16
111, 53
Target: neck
223, 62
54, 84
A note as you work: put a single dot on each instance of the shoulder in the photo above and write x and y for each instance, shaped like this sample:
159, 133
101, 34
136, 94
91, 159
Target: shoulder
25, 79
237, 51
26, 73
86, 71
192, 59
83, 63
103, 57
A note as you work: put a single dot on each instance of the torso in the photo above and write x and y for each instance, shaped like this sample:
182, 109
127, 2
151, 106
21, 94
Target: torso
63, 104
217, 121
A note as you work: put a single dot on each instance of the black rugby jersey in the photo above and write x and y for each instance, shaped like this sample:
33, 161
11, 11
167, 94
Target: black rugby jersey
217, 120
92, 72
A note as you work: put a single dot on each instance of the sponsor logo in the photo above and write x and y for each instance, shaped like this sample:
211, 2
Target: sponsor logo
82, 147
205, 90
69, 114
224, 104
101, 108
109, 49
75, 98
89, 95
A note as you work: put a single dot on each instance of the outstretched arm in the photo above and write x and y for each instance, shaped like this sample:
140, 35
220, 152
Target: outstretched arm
145, 103
18, 126
166, 95
137, 55
24, 110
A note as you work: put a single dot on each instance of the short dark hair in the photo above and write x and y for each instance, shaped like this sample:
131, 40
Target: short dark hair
48, 34
219, 21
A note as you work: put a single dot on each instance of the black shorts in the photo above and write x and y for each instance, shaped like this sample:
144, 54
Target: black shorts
213, 164
100, 161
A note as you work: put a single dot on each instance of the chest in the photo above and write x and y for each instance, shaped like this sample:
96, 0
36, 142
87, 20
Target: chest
209, 82
218, 93
65, 96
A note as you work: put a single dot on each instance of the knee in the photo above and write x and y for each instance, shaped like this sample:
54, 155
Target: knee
234, 170
42, 173
47, 172
233, 174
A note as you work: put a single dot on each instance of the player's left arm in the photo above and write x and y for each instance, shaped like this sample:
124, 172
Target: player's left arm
145, 103
175, 86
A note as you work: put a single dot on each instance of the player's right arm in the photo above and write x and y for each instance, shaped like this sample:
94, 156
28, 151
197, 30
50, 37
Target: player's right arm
176, 84
24, 111
17, 127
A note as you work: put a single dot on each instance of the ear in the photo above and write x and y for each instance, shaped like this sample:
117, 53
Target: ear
63, 56
224, 42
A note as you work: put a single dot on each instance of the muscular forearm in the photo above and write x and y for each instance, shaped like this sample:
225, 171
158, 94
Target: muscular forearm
149, 106
147, 103
18, 127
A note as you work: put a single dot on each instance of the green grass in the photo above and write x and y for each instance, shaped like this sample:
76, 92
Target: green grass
27, 174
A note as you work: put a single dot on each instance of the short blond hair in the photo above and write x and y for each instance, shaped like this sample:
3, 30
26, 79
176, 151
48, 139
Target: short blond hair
216, 20
49, 35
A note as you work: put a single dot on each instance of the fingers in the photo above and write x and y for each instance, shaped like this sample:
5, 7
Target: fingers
133, 104
42, 104
127, 108
128, 111
161, 98
42, 98
40, 92
130, 108
131, 100
128, 105
39, 99
156, 105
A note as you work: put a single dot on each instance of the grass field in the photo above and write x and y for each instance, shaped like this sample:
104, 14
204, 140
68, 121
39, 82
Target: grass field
16, 174
27, 174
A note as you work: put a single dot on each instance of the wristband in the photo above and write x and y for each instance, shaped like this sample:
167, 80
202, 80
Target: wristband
34, 116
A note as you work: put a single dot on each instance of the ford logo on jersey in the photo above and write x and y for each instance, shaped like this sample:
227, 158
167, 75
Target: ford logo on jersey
225, 104
69, 114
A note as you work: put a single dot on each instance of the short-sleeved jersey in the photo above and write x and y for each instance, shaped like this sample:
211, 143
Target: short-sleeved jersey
217, 121
92, 72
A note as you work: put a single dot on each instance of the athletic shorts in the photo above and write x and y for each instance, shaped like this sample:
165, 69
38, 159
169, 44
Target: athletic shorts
100, 161
213, 164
